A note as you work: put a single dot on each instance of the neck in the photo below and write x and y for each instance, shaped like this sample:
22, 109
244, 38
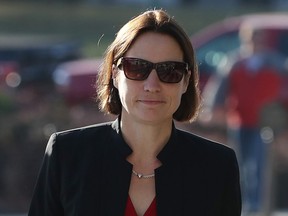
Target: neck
146, 140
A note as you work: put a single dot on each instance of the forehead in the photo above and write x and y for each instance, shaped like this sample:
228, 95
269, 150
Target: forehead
155, 46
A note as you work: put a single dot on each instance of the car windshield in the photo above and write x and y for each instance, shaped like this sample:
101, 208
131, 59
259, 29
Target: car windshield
215, 50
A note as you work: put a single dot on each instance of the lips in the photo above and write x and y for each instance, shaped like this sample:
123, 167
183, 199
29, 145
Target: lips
151, 101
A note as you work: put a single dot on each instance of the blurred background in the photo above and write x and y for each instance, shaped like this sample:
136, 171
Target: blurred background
50, 52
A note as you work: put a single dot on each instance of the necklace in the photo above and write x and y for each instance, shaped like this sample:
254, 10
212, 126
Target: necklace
139, 175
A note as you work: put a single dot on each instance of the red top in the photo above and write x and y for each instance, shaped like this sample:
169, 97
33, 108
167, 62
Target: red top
249, 92
130, 210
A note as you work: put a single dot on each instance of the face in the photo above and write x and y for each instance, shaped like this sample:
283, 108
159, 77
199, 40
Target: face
151, 100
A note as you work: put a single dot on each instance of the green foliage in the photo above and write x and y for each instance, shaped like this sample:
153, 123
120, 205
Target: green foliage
6, 104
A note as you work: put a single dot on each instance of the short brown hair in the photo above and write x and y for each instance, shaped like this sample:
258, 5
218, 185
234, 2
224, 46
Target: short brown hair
156, 21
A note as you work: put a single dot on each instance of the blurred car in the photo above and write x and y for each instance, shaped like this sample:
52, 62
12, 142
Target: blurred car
28, 59
75, 80
215, 42
212, 44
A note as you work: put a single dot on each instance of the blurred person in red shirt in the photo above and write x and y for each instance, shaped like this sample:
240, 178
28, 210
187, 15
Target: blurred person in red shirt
252, 81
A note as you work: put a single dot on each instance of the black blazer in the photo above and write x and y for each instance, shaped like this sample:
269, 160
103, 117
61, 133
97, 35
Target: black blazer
85, 173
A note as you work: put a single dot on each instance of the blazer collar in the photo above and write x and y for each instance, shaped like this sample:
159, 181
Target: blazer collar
122, 147
125, 150
169, 149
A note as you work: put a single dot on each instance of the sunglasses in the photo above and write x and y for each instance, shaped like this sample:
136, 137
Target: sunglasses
139, 69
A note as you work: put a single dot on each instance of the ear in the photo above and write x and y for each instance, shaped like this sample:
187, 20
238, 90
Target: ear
186, 81
114, 76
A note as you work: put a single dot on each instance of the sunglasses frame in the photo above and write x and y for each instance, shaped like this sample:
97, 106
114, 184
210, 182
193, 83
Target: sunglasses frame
151, 66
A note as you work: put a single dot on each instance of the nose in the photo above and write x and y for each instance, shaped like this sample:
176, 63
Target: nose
152, 83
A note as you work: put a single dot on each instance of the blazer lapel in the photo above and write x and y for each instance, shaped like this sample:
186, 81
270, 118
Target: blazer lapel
169, 187
116, 174
169, 190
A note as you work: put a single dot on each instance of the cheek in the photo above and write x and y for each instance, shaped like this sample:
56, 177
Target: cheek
179, 93
122, 88
176, 95
125, 89
180, 97
119, 82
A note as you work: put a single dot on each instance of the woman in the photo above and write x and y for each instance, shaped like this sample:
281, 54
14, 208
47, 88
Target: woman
141, 164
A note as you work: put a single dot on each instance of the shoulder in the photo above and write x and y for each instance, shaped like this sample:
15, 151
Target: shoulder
198, 146
201, 142
84, 132
239, 64
211, 159
79, 139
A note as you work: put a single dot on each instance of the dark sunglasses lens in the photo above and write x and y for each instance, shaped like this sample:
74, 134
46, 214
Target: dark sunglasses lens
171, 72
136, 69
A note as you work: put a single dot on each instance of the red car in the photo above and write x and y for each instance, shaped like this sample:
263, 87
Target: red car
75, 80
